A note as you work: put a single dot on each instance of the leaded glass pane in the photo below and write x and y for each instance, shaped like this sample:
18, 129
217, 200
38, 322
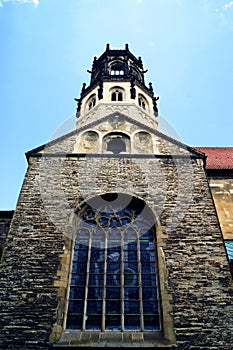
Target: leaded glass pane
113, 306
93, 321
149, 293
132, 322
77, 293
151, 322
74, 320
97, 255
79, 267
95, 293
76, 306
113, 322
96, 280
94, 307
150, 307
132, 307
113, 267
131, 293
149, 280
78, 279
113, 293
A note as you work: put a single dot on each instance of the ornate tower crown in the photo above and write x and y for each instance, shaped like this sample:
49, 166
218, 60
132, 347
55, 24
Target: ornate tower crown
117, 80
117, 65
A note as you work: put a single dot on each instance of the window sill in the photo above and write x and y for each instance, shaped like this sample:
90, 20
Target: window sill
75, 339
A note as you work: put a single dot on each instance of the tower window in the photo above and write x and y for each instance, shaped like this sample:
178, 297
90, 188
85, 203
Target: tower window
117, 72
114, 275
117, 95
117, 69
91, 102
142, 102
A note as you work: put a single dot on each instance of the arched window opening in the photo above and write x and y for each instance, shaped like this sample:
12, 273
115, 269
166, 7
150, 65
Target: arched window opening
117, 94
142, 102
117, 69
114, 96
114, 271
91, 102
116, 145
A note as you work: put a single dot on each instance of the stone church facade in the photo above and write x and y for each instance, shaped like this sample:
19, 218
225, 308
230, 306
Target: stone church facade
115, 239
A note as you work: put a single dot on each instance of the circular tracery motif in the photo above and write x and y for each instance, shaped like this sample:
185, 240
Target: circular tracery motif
116, 220
109, 219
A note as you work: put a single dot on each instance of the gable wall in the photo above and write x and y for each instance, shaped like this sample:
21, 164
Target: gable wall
36, 262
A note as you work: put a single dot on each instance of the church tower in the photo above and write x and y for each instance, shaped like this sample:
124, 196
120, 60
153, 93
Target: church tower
115, 240
117, 87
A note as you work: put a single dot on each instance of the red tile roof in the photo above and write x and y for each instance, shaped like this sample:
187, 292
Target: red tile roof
218, 157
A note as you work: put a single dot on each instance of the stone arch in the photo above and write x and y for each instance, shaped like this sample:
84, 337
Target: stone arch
142, 142
89, 142
116, 143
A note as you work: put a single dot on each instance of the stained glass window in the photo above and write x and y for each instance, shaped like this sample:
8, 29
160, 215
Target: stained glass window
114, 276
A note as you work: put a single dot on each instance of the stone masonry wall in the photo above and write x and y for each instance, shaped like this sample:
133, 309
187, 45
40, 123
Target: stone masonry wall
222, 190
35, 266
5, 220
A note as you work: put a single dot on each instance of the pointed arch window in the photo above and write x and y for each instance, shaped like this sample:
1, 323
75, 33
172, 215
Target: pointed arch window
114, 272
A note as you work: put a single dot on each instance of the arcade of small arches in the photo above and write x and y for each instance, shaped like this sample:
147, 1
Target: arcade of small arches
117, 94
118, 142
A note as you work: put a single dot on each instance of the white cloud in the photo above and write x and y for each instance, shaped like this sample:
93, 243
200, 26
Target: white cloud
228, 5
35, 2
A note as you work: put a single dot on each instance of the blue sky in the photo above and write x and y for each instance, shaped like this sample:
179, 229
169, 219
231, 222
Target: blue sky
48, 45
